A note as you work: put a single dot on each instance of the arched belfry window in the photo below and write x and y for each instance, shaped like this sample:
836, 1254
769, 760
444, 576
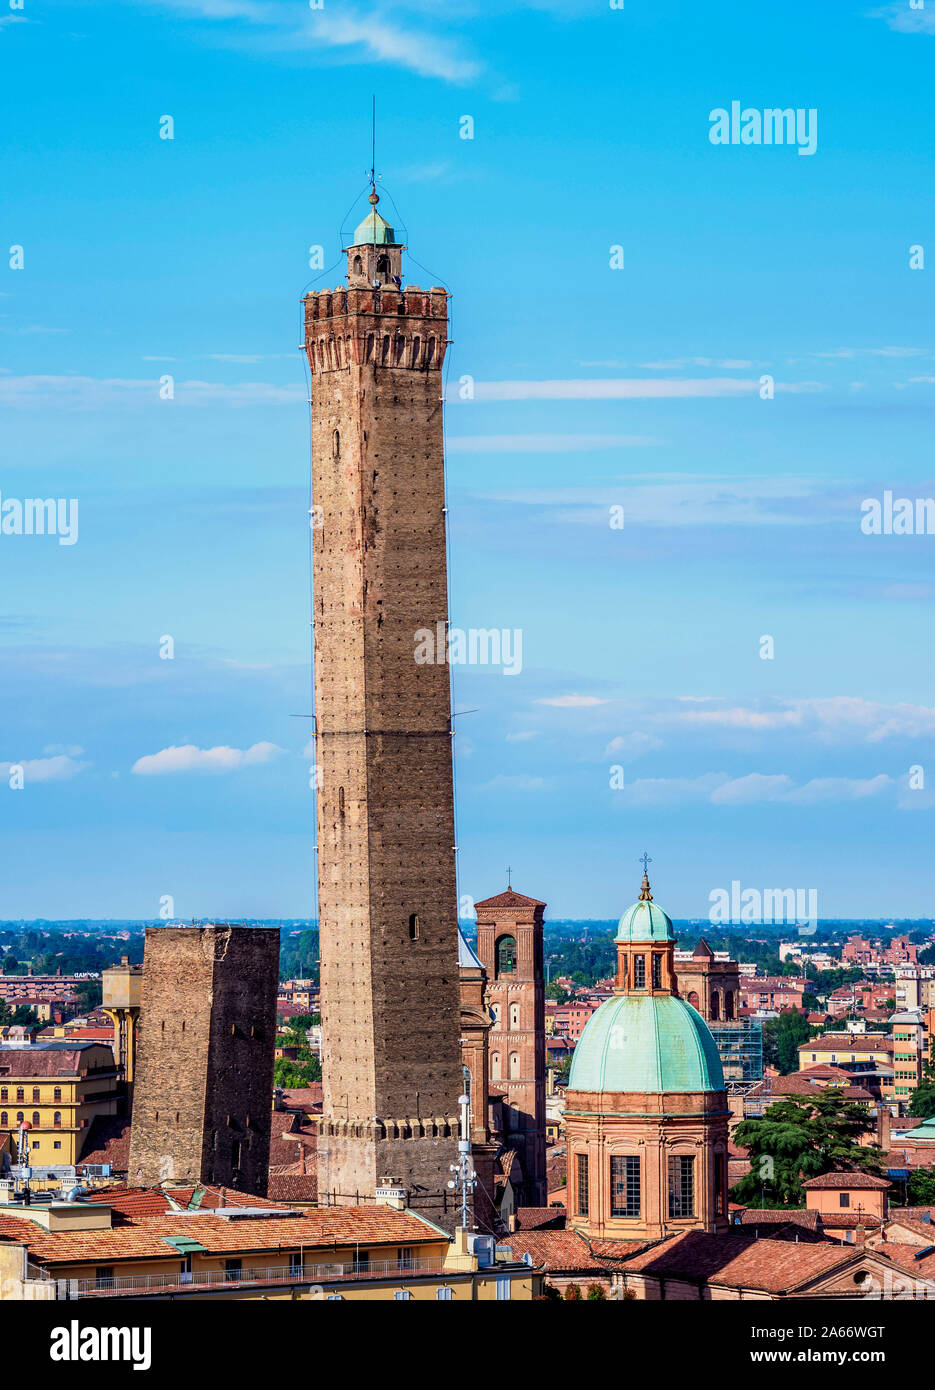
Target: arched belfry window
383, 265
358, 266
506, 955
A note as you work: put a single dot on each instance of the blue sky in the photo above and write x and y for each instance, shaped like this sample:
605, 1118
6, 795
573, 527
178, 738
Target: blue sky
641, 646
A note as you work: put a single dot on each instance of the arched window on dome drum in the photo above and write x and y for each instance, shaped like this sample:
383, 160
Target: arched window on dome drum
506, 955
657, 971
729, 1005
639, 972
715, 1006
495, 1066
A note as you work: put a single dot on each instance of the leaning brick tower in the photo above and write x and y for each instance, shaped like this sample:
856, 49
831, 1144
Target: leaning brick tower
386, 863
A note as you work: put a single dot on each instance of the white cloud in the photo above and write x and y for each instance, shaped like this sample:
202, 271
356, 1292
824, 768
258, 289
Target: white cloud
906, 21
544, 443
848, 353
631, 746
680, 363
95, 393
671, 499
623, 388
522, 737
571, 701
56, 769
189, 758
520, 782
833, 718
350, 33
718, 789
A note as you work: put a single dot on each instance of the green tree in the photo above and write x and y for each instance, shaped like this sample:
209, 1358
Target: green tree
300, 1023
555, 991
292, 1075
91, 993
920, 1191
572, 1293
596, 1292
801, 1137
781, 1038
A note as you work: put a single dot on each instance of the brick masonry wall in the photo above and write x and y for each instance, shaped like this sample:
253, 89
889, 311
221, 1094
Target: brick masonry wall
390, 1006
204, 1080
524, 988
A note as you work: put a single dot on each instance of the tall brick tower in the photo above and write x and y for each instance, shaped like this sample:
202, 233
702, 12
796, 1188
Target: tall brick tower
203, 1098
387, 896
509, 943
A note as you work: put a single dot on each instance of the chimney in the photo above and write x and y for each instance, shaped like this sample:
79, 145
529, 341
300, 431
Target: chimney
884, 1117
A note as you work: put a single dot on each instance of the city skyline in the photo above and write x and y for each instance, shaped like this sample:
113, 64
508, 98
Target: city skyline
591, 388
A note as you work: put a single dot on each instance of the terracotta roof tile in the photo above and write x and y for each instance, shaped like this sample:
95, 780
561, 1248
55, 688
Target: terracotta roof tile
293, 1187
775, 1266
144, 1236
509, 899
539, 1218
847, 1181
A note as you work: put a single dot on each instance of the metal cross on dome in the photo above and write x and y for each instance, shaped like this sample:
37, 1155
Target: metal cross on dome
644, 859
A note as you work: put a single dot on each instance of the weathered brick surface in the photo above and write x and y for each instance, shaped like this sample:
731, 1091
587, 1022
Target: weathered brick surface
518, 997
390, 1005
203, 1099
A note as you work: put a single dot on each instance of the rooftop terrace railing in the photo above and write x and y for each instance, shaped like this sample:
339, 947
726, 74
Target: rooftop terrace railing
141, 1284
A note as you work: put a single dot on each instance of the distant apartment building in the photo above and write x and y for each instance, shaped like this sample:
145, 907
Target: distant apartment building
570, 1019
910, 1052
858, 950
772, 992
57, 1089
867, 1058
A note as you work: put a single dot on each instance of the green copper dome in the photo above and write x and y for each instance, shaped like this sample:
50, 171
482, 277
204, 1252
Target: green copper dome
374, 231
648, 1043
645, 921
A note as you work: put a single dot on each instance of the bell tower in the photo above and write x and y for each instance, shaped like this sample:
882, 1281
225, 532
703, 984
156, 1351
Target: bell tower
386, 864
509, 943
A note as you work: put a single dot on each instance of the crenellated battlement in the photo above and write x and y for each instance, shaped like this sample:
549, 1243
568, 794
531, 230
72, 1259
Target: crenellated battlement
388, 328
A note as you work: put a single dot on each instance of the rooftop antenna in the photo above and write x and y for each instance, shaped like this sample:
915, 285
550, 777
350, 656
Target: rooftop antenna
509, 877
